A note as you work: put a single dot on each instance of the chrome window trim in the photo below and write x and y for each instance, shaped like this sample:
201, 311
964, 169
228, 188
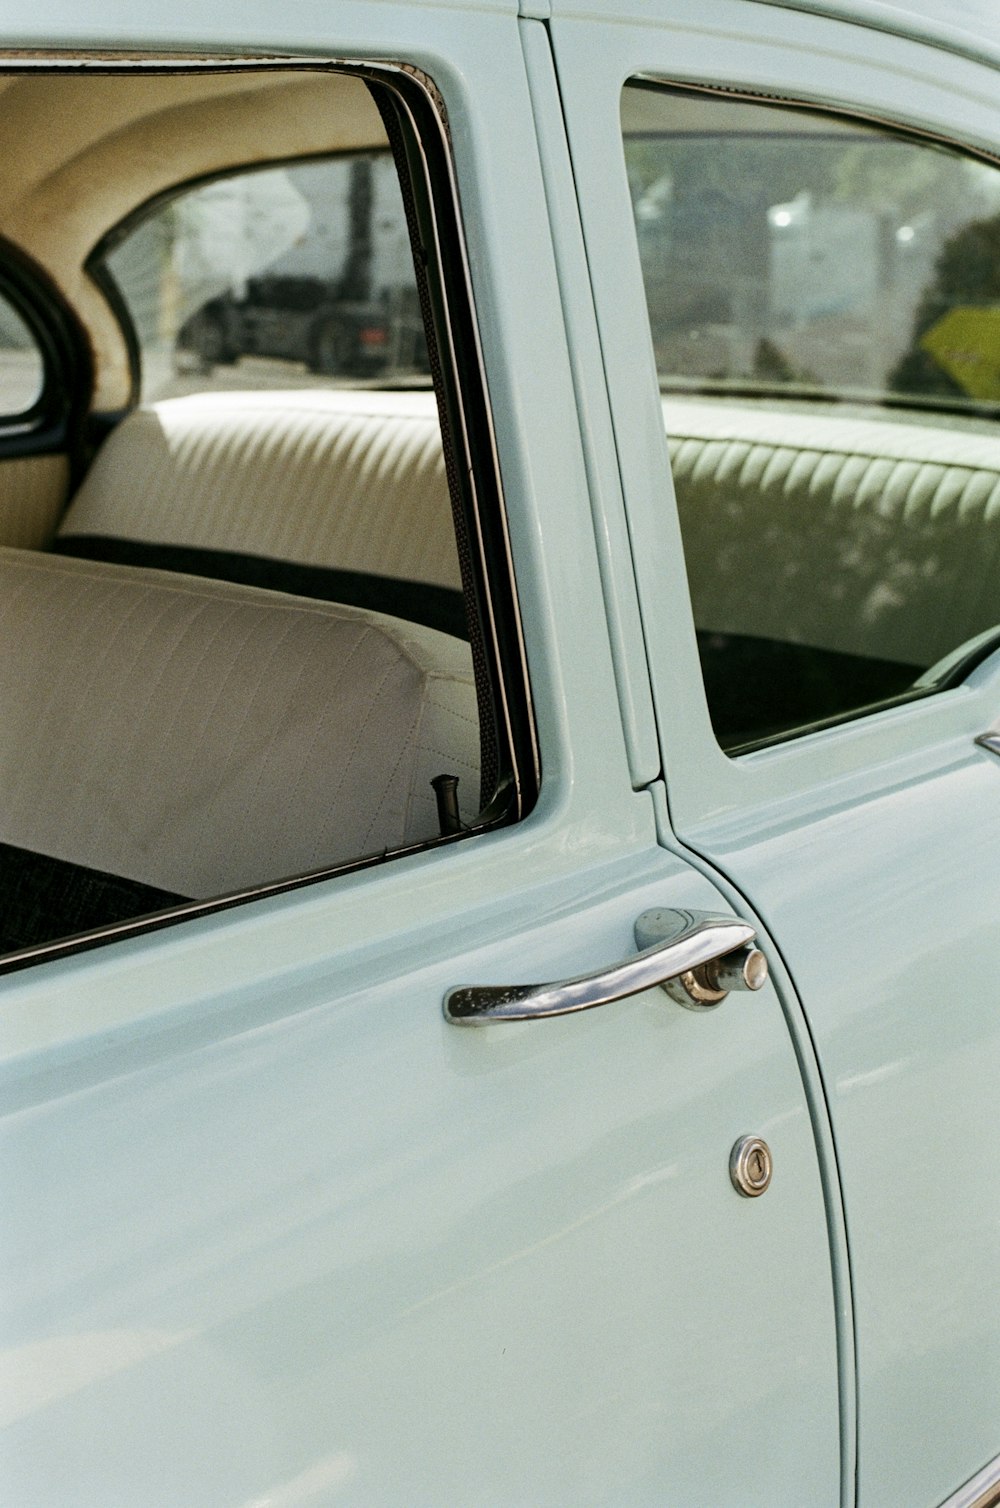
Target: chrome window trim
982, 1491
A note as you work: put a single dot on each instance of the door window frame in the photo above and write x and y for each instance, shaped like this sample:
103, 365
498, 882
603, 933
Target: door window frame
424, 139
756, 51
590, 839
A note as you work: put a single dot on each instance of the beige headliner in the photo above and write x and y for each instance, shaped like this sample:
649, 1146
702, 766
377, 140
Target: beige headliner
80, 151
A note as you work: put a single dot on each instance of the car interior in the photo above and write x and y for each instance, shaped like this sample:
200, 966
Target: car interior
253, 621
236, 638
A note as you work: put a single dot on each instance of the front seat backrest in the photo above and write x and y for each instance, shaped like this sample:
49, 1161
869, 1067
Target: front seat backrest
203, 737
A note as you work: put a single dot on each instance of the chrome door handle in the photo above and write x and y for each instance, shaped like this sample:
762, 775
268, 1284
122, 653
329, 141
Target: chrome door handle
695, 956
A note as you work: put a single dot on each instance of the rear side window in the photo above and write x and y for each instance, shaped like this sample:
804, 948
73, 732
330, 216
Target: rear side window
807, 256
294, 275
824, 307
22, 369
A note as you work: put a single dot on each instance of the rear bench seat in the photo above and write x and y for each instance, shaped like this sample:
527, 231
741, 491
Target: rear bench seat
339, 495
858, 536
200, 737
832, 560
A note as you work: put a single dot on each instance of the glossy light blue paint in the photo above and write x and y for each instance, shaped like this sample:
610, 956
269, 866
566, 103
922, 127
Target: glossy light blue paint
869, 850
273, 1230
970, 27
597, 436
891, 961
348, 1244
245, 28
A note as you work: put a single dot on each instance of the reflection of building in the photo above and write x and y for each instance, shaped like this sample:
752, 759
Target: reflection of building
824, 260
814, 289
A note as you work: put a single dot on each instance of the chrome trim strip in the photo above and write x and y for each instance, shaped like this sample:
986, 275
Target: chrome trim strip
983, 1491
990, 742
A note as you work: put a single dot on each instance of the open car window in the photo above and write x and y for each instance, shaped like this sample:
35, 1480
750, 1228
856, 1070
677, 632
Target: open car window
254, 654
824, 304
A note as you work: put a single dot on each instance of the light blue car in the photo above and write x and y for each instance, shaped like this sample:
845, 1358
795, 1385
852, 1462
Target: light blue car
500, 754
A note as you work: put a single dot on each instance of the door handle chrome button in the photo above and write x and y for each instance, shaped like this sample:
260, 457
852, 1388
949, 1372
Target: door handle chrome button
672, 943
750, 1166
707, 984
702, 988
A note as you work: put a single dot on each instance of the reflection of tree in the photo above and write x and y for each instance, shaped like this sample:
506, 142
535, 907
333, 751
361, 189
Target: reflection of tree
770, 364
889, 175
967, 273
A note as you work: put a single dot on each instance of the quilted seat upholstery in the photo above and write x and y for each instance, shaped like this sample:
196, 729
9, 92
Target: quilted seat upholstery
348, 480
863, 536
202, 737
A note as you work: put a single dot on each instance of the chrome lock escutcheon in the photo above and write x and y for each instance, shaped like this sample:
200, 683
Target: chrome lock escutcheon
750, 1166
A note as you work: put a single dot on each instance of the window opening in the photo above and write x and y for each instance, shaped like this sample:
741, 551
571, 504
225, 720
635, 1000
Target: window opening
824, 306
251, 635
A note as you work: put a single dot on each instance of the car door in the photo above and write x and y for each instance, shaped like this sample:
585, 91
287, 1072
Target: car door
276, 1230
807, 580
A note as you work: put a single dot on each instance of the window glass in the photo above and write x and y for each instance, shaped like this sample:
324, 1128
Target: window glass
21, 368
824, 303
299, 275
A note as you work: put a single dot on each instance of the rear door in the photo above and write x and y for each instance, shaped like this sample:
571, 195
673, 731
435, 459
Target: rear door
801, 242
275, 1231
